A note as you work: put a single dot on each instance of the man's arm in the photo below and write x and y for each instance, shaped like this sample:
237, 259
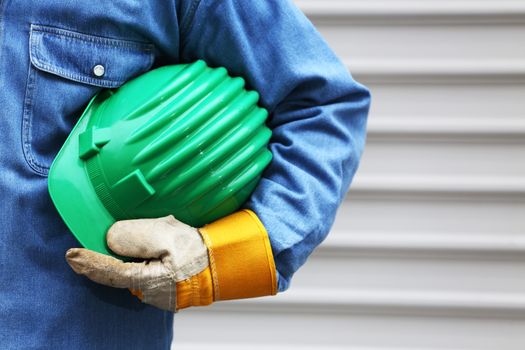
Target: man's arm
317, 114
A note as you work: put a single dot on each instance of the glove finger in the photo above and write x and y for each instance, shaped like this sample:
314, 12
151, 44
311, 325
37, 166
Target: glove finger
105, 269
144, 238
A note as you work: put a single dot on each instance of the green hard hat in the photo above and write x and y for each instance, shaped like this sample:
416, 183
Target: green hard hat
186, 140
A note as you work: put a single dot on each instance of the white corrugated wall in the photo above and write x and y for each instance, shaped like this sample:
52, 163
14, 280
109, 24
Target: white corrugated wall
428, 251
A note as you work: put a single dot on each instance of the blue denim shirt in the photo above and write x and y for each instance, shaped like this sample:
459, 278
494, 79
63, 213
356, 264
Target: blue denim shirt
48, 49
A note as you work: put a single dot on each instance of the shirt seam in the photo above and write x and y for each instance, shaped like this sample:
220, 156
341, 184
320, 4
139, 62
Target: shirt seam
188, 21
90, 38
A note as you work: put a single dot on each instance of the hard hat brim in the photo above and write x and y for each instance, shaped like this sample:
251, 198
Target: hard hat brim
81, 210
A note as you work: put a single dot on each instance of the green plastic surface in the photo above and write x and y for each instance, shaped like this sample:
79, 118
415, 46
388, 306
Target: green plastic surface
186, 140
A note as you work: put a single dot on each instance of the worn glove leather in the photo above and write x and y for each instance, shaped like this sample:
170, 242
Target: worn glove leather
173, 252
230, 258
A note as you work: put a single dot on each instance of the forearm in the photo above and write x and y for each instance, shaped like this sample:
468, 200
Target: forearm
317, 116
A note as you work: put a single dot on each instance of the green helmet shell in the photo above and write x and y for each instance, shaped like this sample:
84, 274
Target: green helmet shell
186, 140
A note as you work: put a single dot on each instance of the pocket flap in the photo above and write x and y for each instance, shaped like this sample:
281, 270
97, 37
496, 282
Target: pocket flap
74, 56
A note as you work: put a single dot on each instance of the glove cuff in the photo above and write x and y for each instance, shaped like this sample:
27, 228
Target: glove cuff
195, 291
241, 259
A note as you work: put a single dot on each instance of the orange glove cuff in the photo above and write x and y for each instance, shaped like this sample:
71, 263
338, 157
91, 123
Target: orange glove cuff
195, 291
241, 263
241, 259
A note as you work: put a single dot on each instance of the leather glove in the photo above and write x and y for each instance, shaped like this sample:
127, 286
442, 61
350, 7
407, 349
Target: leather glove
184, 266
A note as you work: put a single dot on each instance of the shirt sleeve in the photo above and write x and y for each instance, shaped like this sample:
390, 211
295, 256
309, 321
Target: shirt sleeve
317, 114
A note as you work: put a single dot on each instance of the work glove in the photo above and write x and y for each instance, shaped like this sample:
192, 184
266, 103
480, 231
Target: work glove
184, 266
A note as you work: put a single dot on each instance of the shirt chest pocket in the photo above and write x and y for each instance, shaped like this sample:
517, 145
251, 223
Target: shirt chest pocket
67, 69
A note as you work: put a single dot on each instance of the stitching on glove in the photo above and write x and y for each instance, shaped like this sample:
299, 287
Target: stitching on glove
215, 278
195, 291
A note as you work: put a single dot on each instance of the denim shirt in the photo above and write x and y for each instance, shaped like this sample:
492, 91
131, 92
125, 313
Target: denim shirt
49, 50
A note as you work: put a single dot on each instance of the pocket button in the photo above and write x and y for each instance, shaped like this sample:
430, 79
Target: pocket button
99, 70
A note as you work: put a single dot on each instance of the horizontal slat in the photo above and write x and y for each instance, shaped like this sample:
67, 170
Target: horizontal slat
252, 346
451, 48
446, 11
430, 66
501, 128
430, 214
462, 106
439, 72
451, 245
386, 301
483, 185
412, 272
283, 345
443, 165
